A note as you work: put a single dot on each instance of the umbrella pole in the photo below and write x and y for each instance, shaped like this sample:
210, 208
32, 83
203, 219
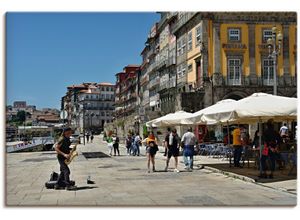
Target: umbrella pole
228, 135
260, 142
228, 142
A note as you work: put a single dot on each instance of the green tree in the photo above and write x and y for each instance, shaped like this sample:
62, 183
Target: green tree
21, 116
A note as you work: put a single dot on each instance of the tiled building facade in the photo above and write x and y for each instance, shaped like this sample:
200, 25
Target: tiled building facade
191, 60
89, 105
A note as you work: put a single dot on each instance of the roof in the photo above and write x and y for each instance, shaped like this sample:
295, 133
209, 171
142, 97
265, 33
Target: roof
132, 65
105, 84
76, 86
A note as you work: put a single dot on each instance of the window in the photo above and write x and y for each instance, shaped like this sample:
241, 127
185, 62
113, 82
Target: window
178, 47
234, 34
234, 71
179, 70
198, 34
183, 45
190, 68
183, 69
190, 43
266, 35
268, 72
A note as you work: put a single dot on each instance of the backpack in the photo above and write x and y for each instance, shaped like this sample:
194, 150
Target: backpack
53, 176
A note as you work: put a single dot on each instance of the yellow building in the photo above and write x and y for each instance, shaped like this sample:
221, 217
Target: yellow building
227, 54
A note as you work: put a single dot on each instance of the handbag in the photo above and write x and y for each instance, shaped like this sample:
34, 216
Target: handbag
265, 150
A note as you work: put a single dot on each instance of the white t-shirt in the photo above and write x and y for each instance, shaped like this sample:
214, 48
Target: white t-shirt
189, 138
170, 139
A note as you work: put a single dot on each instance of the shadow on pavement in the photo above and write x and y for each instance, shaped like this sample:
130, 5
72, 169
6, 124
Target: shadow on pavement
251, 172
85, 188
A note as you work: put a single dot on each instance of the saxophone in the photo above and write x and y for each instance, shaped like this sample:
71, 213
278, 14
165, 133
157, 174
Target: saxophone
73, 154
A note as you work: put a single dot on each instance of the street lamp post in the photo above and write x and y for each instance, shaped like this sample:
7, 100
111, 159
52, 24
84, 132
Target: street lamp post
84, 107
274, 51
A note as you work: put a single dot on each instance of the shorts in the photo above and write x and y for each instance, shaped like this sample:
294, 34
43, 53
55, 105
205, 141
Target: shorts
151, 150
173, 152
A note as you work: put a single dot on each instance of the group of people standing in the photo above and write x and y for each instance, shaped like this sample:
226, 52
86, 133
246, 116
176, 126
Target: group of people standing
113, 144
172, 143
133, 143
89, 135
270, 151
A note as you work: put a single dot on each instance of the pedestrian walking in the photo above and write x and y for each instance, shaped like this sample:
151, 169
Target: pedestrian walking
116, 145
151, 149
92, 138
173, 149
166, 141
237, 146
87, 137
132, 147
137, 143
128, 143
109, 141
188, 141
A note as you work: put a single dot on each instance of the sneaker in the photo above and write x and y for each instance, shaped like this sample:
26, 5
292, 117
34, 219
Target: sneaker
70, 188
176, 171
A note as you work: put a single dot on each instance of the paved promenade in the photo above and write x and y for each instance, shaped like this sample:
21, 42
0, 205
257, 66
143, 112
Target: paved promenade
124, 181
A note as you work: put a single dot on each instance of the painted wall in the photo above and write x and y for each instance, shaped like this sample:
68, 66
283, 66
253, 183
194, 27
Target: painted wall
292, 48
244, 40
258, 52
192, 54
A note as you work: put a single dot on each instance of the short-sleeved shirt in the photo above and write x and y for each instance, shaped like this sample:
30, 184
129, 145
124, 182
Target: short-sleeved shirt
175, 142
167, 140
189, 138
236, 134
137, 140
64, 143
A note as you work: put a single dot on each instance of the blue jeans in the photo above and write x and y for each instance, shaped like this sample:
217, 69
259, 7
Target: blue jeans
188, 156
136, 149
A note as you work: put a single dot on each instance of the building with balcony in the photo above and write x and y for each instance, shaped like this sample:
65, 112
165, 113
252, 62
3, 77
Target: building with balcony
225, 55
167, 62
89, 105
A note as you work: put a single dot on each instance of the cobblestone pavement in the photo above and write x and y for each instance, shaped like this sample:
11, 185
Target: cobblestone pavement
124, 181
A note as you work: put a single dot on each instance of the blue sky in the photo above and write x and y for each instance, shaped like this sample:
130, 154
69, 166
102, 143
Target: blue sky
46, 52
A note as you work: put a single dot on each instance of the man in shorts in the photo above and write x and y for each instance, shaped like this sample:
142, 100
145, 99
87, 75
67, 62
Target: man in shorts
173, 150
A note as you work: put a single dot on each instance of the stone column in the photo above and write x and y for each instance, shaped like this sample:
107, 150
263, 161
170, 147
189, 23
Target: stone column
252, 78
285, 80
217, 47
